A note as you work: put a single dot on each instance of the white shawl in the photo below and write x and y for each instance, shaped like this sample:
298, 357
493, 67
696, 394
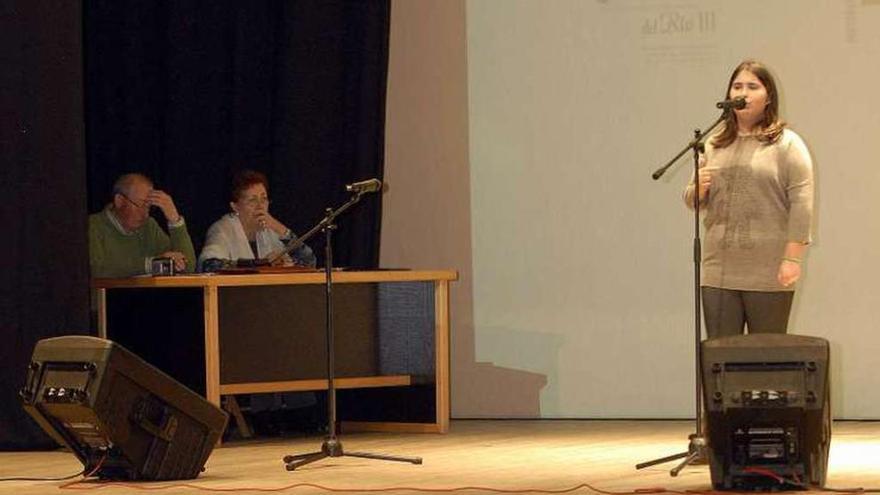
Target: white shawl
226, 240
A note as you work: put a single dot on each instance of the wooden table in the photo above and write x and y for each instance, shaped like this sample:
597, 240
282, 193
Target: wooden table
216, 290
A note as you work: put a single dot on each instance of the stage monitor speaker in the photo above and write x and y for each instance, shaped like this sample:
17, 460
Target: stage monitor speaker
119, 415
768, 411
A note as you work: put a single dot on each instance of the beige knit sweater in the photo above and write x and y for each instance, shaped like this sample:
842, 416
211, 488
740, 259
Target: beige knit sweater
761, 198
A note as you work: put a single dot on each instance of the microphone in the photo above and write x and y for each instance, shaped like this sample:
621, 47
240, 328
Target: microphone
737, 103
365, 186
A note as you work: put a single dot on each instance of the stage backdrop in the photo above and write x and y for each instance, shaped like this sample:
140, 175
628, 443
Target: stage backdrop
582, 263
582, 298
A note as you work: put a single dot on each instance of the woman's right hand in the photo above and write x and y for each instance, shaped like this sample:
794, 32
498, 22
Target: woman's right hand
267, 221
705, 182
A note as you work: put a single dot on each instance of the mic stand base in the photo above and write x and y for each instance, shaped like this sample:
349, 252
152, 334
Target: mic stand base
332, 447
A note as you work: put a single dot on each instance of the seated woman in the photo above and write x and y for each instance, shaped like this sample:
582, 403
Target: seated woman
249, 231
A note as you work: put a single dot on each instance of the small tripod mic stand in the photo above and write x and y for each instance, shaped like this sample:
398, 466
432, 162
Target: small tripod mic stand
332, 445
696, 451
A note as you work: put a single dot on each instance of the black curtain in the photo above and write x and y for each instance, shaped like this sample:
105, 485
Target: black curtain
188, 92
44, 277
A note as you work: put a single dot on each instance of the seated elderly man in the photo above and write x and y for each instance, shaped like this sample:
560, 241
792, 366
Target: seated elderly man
124, 239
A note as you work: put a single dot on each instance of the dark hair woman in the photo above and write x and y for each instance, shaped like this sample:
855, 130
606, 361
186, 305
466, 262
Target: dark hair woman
249, 231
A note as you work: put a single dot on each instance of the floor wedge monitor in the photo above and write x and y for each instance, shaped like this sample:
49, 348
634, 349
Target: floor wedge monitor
768, 417
123, 418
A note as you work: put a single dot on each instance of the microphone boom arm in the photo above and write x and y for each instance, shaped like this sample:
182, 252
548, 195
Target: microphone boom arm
695, 144
298, 241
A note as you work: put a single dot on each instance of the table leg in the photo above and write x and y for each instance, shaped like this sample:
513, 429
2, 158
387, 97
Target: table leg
441, 352
212, 346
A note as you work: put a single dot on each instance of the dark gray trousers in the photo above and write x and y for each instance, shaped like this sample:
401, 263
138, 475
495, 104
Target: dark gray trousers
728, 312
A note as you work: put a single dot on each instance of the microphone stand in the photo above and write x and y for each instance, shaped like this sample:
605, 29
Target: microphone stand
696, 441
332, 445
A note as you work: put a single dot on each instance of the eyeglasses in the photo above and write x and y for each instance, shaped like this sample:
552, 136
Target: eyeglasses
142, 206
257, 201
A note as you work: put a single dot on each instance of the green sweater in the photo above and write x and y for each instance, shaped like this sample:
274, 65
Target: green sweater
113, 253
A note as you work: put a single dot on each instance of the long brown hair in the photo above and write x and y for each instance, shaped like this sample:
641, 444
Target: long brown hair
771, 127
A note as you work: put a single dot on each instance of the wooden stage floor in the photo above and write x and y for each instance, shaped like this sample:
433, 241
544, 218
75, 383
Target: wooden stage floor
503, 455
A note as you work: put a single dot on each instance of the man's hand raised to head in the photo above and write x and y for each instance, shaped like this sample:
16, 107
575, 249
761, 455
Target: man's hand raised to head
163, 201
